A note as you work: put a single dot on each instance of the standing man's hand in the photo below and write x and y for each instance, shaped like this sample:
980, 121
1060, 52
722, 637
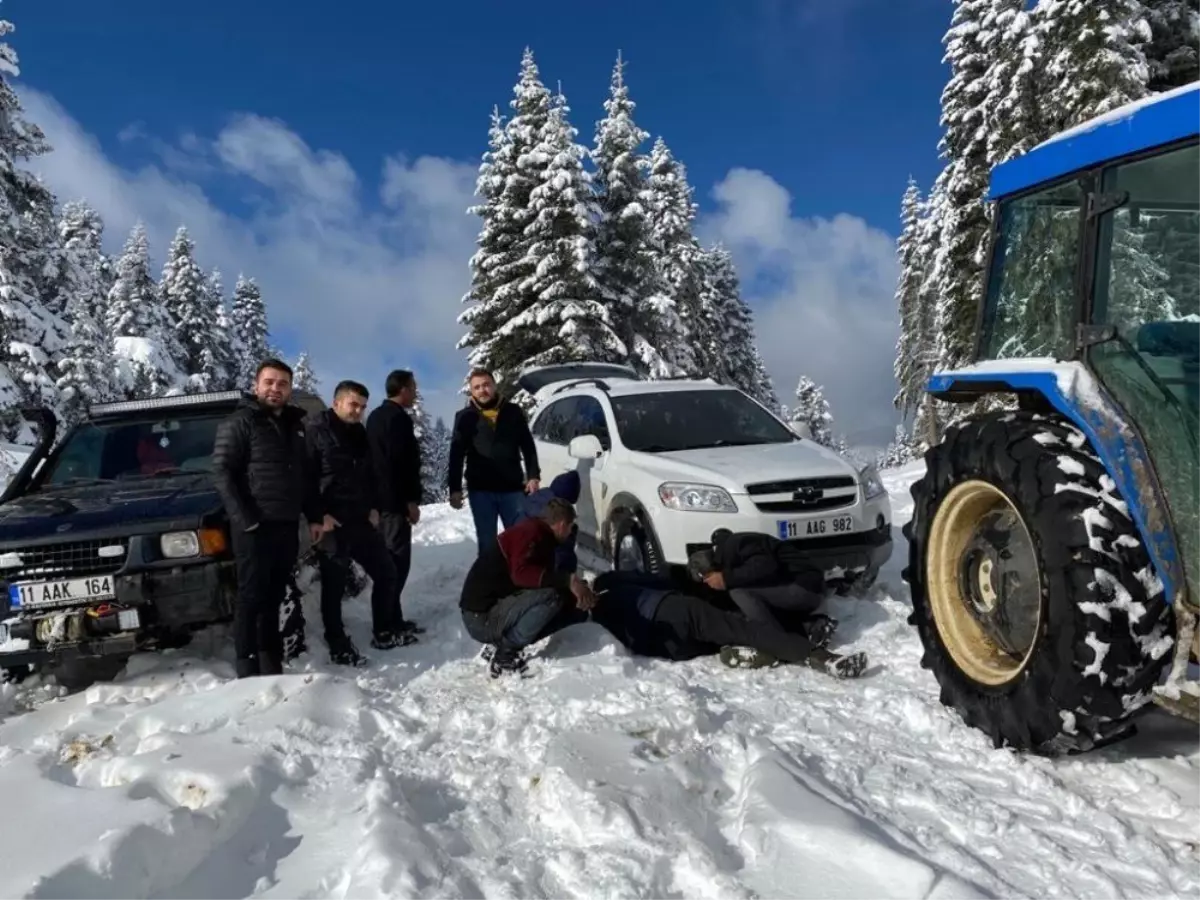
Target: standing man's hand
330, 523
316, 531
456, 500
532, 485
414, 513
373, 518
715, 580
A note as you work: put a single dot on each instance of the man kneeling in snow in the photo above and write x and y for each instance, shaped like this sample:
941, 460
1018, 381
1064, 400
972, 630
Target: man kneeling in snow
653, 617
513, 591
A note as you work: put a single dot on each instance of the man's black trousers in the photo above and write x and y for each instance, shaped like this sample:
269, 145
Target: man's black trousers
265, 558
397, 536
691, 627
361, 543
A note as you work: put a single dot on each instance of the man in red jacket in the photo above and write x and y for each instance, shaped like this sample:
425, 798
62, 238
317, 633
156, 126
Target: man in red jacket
513, 589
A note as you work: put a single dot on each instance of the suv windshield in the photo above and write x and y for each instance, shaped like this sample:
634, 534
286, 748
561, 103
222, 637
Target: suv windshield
691, 420
145, 448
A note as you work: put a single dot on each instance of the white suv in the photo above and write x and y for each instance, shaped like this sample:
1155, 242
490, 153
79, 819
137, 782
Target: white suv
663, 464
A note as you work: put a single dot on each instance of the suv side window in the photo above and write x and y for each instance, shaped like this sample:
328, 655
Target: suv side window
555, 424
589, 418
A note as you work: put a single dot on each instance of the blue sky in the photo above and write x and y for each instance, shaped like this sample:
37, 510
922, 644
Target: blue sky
268, 129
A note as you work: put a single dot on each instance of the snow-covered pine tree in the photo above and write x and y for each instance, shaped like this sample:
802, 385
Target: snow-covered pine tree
1095, 57
963, 223
812, 409
249, 320
29, 333
1013, 114
909, 367
501, 268
1173, 54
739, 363
679, 262
183, 291
139, 326
303, 376
435, 462
86, 369
224, 358
902, 450
646, 319
565, 319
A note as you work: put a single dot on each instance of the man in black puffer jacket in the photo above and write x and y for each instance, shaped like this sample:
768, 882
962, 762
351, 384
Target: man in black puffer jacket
348, 493
260, 468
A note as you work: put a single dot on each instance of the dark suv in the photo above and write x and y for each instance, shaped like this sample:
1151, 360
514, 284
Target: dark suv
114, 539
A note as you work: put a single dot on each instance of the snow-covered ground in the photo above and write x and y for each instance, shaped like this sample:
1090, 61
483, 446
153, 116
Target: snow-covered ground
604, 775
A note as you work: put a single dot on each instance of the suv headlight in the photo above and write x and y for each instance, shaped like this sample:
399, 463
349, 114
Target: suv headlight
179, 544
696, 497
871, 482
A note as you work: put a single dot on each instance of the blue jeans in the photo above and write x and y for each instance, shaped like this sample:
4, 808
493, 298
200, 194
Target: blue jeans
487, 506
516, 621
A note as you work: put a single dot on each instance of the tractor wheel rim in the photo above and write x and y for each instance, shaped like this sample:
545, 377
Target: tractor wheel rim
629, 555
984, 583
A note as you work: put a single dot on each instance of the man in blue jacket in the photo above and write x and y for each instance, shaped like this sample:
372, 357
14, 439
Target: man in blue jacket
565, 487
652, 617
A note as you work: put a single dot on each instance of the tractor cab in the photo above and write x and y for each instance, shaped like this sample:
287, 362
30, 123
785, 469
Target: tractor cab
1054, 549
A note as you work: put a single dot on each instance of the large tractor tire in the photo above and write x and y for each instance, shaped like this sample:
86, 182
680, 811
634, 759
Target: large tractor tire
1040, 614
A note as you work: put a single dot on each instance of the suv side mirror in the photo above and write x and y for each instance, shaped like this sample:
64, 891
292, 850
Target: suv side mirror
586, 446
802, 429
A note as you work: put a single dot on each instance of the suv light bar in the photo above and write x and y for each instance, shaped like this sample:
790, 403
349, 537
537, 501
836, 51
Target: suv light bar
123, 406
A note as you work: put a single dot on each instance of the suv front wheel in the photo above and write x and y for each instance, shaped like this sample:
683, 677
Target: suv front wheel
633, 549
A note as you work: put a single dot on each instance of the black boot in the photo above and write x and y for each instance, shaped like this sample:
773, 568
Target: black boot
269, 663
342, 652
852, 665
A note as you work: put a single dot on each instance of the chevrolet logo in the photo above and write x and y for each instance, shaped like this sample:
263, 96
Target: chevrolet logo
808, 495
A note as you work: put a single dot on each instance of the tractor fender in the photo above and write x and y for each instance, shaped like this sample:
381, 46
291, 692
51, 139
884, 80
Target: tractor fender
1075, 393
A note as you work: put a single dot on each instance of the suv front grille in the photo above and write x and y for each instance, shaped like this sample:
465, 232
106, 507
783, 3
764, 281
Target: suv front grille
794, 484
806, 506
76, 559
804, 495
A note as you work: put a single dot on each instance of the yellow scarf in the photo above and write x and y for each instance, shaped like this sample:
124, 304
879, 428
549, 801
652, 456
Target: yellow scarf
489, 415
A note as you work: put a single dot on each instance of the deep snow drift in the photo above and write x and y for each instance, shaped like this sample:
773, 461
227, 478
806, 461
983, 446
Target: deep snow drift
602, 776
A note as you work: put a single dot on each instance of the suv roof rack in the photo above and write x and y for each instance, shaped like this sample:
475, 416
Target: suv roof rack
567, 385
537, 378
175, 402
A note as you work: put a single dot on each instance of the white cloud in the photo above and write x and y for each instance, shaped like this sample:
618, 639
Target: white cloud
368, 286
364, 287
821, 290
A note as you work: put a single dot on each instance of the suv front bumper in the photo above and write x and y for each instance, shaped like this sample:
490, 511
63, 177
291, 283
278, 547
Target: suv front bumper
864, 545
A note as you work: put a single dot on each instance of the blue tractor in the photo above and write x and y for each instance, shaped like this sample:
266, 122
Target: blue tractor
1054, 548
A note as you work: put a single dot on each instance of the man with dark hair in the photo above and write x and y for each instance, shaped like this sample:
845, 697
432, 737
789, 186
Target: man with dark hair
491, 437
769, 580
260, 468
346, 497
512, 591
396, 461
655, 617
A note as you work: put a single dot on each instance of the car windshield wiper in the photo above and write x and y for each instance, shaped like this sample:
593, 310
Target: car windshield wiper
72, 482
658, 448
163, 473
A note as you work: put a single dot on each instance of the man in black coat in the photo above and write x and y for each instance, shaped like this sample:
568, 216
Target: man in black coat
768, 579
396, 463
340, 457
261, 473
491, 437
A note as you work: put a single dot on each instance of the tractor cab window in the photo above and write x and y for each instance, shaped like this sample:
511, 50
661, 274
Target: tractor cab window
1147, 287
1030, 306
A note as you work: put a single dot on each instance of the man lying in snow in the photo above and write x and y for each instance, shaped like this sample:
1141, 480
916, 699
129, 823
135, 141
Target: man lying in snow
767, 579
653, 617
513, 591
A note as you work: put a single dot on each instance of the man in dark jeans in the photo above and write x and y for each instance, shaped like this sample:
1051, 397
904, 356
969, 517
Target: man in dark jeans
339, 457
259, 463
396, 460
491, 436
512, 591
652, 617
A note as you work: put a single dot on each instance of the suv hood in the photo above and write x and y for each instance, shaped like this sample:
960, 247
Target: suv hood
135, 507
734, 467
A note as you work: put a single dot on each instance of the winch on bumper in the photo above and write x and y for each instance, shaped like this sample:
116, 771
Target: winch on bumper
43, 618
